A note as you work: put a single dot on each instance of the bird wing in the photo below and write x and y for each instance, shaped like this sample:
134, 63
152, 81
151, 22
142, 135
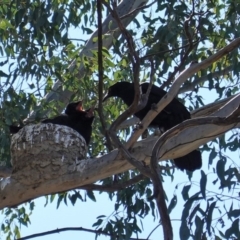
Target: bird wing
61, 120
174, 107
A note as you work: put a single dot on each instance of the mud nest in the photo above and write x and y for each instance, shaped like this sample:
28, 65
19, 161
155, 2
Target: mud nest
45, 151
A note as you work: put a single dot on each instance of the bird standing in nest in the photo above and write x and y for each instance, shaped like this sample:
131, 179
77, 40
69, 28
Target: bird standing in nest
75, 117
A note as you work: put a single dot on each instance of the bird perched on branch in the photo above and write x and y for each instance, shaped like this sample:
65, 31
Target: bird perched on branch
173, 114
75, 117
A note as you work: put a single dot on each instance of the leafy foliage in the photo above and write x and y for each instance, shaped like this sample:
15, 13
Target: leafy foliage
37, 47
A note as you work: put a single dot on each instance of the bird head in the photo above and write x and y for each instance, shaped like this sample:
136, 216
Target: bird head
74, 107
117, 90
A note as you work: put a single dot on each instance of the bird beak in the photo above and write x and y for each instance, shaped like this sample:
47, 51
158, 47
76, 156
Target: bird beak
79, 107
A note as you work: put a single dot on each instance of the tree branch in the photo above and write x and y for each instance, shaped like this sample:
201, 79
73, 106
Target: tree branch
100, 77
115, 236
191, 46
184, 75
88, 171
191, 86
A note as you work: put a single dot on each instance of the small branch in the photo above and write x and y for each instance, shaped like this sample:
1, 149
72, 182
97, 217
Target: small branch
141, 166
159, 195
72, 229
134, 106
100, 77
160, 200
144, 97
129, 122
147, 56
210, 108
191, 86
135, 62
184, 75
152, 231
186, 54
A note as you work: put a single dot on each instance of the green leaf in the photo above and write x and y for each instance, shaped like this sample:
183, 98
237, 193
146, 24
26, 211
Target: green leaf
203, 183
209, 217
212, 155
233, 230
19, 16
5, 24
3, 74
199, 228
98, 223
90, 194
185, 192
184, 230
234, 213
60, 198
172, 204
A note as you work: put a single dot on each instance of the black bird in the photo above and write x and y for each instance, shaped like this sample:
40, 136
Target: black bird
173, 114
75, 117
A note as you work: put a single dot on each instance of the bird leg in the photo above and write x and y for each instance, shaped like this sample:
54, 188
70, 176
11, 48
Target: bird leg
154, 107
145, 134
140, 126
137, 126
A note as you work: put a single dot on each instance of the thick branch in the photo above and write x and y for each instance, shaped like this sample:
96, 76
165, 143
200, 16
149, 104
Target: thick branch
100, 77
135, 61
176, 85
71, 229
91, 170
200, 112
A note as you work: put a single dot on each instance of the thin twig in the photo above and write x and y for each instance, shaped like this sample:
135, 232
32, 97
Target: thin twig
133, 55
135, 61
191, 86
153, 231
183, 76
115, 236
100, 77
186, 54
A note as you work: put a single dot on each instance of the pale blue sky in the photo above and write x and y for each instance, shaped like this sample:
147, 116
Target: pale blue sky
84, 214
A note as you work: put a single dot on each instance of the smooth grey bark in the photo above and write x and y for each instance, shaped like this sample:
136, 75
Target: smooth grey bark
86, 171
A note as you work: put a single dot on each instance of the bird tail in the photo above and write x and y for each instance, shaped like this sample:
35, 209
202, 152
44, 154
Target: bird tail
191, 162
14, 129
